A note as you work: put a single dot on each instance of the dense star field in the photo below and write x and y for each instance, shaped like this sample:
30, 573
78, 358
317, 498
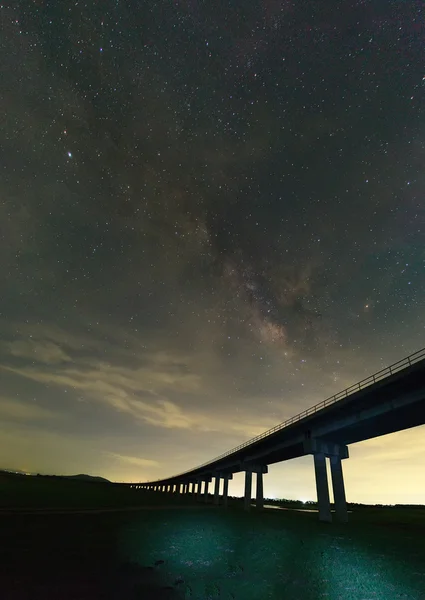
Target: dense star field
212, 217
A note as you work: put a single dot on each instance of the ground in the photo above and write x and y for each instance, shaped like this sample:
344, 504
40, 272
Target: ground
188, 550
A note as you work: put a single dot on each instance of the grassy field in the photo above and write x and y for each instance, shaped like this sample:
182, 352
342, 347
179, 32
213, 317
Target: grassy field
209, 552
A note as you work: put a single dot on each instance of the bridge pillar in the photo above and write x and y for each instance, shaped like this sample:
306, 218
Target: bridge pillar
217, 490
248, 488
338, 489
260, 495
249, 470
226, 477
322, 487
198, 492
225, 490
207, 483
321, 448
185, 488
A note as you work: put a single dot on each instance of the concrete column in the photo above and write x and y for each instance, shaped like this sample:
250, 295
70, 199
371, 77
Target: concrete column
248, 489
207, 483
217, 490
322, 487
260, 496
225, 490
198, 493
338, 489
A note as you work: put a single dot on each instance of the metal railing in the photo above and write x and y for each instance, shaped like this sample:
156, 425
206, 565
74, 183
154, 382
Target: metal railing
394, 368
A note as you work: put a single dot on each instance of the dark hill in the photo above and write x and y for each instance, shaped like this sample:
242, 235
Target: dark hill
83, 477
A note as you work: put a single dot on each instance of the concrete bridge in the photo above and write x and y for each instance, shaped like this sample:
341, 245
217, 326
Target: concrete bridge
390, 400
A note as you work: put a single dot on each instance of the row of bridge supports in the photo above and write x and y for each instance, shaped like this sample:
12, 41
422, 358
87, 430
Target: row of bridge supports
321, 450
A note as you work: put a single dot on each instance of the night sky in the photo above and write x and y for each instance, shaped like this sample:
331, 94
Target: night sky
212, 217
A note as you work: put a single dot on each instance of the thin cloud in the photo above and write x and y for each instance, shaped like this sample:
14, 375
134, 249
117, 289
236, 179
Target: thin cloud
23, 411
37, 350
132, 460
142, 395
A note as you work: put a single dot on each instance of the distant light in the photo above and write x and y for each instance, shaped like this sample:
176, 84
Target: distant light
70, 154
